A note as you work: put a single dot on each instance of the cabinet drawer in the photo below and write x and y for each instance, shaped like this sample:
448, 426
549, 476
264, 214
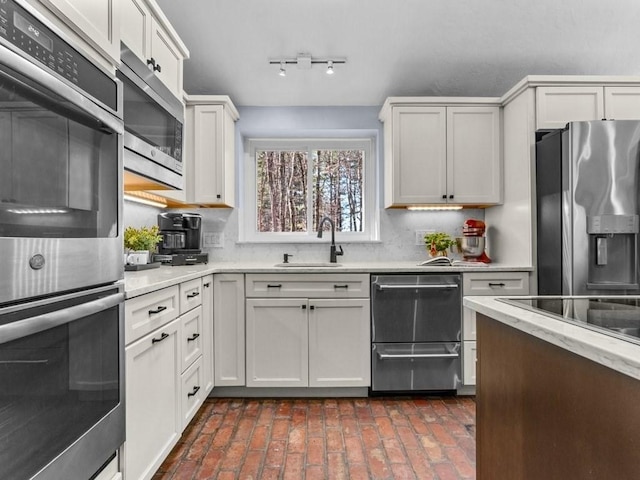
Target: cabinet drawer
191, 336
190, 295
192, 390
498, 283
319, 285
145, 313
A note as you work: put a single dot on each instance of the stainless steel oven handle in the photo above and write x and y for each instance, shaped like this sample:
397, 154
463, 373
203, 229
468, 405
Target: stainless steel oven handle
433, 286
382, 356
46, 321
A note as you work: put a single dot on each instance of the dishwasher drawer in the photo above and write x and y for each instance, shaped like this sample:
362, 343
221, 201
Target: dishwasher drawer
402, 367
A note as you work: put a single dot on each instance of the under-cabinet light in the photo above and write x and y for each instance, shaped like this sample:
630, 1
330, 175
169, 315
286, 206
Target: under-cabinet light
140, 197
435, 207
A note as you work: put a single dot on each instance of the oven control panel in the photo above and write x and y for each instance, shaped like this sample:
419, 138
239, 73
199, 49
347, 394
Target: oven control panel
23, 30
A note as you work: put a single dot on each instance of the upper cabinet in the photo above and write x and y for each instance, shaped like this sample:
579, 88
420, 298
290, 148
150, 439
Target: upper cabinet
447, 153
97, 22
558, 105
210, 150
148, 34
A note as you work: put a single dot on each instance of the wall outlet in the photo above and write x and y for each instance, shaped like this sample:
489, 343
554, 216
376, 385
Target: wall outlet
420, 236
212, 240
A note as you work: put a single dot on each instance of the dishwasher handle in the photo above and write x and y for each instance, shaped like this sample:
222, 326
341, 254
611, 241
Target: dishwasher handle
383, 356
432, 286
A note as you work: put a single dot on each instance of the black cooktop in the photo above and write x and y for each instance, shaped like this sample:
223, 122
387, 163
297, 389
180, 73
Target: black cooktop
615, 316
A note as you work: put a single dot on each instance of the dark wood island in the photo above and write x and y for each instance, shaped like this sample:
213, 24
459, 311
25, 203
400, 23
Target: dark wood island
545, 410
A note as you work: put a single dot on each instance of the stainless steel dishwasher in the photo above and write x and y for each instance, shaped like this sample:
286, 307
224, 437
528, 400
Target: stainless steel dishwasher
416, 328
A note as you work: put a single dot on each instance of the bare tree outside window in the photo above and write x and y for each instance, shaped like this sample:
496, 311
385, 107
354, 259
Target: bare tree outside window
285, 194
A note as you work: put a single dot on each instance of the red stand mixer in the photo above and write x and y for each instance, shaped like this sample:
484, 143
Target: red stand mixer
472, 243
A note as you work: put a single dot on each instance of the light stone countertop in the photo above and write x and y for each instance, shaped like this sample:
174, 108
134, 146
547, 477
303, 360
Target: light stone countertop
145, 281
612, 352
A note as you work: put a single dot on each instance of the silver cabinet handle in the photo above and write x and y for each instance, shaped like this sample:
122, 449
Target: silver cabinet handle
433, 286
382, 356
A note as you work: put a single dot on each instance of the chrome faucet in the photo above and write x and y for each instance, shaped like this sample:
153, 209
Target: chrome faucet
334, 254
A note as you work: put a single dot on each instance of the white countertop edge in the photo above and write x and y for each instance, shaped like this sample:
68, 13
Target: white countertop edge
146, 281
619, 355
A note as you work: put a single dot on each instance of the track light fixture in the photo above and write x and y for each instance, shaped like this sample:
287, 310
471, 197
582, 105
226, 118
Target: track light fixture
304, 61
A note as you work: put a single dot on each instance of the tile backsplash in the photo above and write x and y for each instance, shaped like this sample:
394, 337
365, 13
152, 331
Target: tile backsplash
397, 235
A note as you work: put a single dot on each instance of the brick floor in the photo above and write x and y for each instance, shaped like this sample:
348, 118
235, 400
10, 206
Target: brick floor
347, 438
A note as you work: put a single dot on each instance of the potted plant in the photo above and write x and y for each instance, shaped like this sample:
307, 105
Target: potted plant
139, 242
438, 242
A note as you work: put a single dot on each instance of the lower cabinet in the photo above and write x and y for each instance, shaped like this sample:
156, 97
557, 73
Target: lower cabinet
307, 341
228, 329
484, 283
153, 424
168, 369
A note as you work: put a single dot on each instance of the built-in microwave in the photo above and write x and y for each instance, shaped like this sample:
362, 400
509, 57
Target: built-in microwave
153, 122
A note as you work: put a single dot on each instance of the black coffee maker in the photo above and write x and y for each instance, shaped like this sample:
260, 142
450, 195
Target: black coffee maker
181, 234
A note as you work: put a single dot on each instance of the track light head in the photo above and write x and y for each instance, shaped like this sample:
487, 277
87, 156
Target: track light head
330, 67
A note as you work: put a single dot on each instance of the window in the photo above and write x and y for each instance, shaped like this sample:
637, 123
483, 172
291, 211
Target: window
292, 184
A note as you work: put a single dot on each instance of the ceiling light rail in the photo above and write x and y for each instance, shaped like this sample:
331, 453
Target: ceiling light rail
305, 61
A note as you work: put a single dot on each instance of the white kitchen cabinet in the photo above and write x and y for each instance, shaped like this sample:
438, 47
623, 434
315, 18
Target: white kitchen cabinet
210, 150
191, 336
277, 345
207, 334
307, 330
339, 342
150, 36
558, 105
441, 154
153, 376
190, 294
229, 329
97, 22
484, 283
192, 391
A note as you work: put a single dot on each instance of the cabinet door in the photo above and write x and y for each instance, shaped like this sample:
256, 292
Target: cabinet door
192, 393
96, 21
153, 424
191, 336
135, 28
339, 343
622, 103
277, 342
556, 106
228, 329
213, 156
167, 58
207, 333
417, 169
190, 294
473, 155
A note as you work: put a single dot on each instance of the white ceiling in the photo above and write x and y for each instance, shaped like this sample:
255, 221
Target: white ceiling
398, 47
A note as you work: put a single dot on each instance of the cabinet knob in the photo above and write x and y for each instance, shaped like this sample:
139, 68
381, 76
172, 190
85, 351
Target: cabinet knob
444, 197
304, 307
450, 196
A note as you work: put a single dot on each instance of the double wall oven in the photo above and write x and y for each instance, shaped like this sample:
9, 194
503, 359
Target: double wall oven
61, 299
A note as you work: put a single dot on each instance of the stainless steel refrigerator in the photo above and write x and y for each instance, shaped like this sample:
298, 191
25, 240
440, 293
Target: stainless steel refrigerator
587, 209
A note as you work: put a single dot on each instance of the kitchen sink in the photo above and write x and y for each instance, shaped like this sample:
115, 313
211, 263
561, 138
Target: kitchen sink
308, 264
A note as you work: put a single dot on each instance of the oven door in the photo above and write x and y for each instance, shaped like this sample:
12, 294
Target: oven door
61, 160
62, 395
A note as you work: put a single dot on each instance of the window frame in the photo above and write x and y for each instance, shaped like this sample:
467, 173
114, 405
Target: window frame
248, 232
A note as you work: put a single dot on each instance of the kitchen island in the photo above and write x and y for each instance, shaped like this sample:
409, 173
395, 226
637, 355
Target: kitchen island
555, 400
